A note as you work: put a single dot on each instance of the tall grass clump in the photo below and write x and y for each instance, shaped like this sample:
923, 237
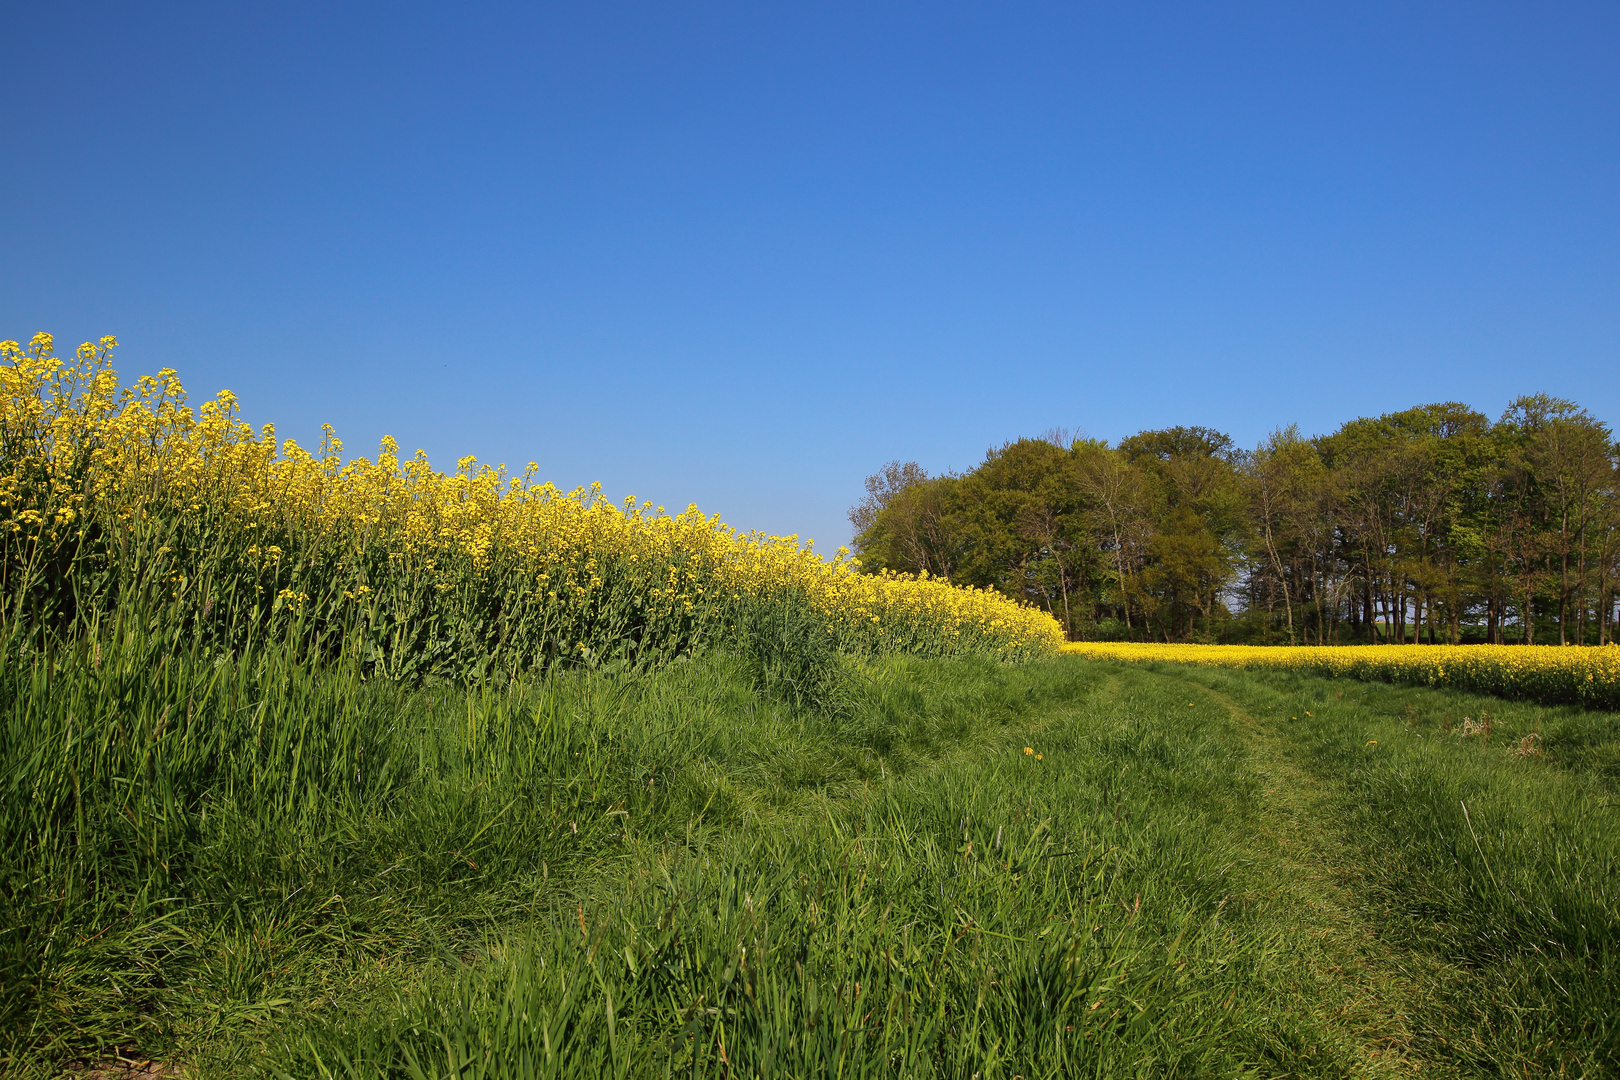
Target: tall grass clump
192, 842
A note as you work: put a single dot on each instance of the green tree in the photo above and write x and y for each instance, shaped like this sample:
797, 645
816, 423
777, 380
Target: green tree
1289, 492
903, 522
1417, 525
1118, 519
1570, 455
1022, 515
1201, 526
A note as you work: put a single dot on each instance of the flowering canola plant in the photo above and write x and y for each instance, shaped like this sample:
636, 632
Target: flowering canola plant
1548, 673
129, 499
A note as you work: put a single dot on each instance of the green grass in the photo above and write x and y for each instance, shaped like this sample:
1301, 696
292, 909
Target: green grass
1493, 857
779, 863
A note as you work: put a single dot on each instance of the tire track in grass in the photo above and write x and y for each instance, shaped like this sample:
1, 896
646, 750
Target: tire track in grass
1303, 877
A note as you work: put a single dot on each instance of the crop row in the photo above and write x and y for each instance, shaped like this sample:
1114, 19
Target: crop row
128, 499
1546, 673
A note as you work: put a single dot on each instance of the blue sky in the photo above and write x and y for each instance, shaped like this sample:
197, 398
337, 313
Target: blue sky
743, 255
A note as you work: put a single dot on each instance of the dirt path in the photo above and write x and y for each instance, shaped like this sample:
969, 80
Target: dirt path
1304, 871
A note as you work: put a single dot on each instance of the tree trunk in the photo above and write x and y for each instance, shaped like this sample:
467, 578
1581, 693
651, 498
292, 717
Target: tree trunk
1529, 617
1282, 579
1563, 577
1317, 586
1063, 584
1367, 609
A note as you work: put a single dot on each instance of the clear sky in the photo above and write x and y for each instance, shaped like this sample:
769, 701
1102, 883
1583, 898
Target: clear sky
743, 255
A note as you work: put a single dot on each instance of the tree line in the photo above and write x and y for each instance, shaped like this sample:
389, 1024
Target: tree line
1432, 525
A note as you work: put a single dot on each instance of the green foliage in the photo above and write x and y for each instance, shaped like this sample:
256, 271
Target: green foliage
1151, 534
1427, 524
263, 866
194, 843
1485, 837
791, 656
1000, 915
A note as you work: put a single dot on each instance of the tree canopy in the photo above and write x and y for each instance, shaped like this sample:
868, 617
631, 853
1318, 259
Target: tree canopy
1430, 524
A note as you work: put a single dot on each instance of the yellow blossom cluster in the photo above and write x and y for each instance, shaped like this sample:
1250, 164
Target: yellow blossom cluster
112, 497
1548, 673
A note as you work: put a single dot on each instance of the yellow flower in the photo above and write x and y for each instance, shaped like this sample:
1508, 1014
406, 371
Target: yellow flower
1543, 672
326, 534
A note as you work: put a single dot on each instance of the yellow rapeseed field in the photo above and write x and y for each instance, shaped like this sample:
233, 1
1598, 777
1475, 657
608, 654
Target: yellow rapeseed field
111, 495
1550, 673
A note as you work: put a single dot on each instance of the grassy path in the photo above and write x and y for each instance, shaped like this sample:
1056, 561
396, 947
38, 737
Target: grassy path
1443, 940
1094, 870
969, 870
1304, 876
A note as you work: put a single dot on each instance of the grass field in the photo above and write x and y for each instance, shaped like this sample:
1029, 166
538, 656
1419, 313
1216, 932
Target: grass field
325, 767
937, 867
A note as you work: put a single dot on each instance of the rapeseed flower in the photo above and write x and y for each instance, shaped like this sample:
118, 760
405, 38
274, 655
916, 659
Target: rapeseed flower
433, 571
1550, 673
